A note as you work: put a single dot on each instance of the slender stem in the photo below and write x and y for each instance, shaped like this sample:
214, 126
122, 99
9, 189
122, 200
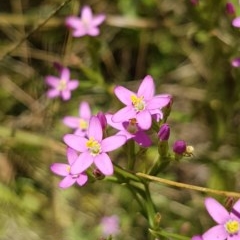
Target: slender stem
188, 186
131, 154
150, 208
168, 235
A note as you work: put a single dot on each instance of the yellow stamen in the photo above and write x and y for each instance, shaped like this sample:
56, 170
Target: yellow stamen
232, 227
93, 146
138, 102
62, 85
83, 124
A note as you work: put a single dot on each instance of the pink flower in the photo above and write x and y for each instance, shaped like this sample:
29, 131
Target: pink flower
93, 148
141, 105
236, 22
61, 86
131, 130
235, 62
87, 24
80, 124
228, 224
64, 170
110, 225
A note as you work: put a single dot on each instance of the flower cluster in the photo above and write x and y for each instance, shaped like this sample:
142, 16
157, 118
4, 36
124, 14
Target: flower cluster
88, 145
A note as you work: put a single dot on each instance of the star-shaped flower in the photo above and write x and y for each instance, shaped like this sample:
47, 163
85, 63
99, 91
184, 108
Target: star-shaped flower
93, 148
64, 170
141, 105
87, 24
61, 86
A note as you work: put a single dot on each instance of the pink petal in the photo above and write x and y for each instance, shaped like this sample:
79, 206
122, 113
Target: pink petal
124, 114
84, 111
111, 143
60, 169
124, 95
146, 88
104, 164
80, 132
68, 181
158, 102
142, 139
236, 22
52, 93
95, 129
66, 95
52, 81
116, 125
98, 19
81, 31
144, 120
125, 133
72, 84
76, 142
82, 179
219, 214
73, 22
82, 163
197, 237
215, 233
71, 155
86, 14
65, 74
72, 122
93, 31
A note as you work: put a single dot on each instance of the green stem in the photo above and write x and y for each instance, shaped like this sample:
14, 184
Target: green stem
188, 186
131, 154
168, 235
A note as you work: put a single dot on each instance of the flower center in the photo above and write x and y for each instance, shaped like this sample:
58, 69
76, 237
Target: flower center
62, 85
93, 146
138, 103
132, 126
83, 124
232, 227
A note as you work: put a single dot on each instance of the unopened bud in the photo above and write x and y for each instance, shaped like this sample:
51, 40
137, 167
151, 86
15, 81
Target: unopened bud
164, 132
179, 147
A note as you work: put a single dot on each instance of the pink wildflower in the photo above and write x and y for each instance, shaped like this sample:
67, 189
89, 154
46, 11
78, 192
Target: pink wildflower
64, 170
87, 24
228, 224
131, 130
93, 148
235, 62
61, 86
80, 124
110, 225
141, 105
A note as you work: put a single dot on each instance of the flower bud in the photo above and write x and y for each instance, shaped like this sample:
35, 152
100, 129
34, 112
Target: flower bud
235, 62
230, 9
179, 147
164, 132
103, 120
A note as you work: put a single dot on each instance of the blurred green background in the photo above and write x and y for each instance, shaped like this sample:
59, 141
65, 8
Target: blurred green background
186, 48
